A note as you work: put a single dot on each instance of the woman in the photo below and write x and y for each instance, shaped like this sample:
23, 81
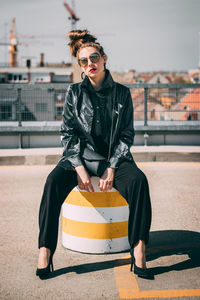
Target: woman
87, 119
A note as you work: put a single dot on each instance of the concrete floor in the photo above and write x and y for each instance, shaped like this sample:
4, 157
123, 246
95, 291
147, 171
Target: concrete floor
173, 253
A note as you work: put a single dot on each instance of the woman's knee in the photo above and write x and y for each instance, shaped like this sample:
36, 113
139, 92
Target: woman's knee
129, 173
138, 177
55, 176
62, 178
50, 180
141, 177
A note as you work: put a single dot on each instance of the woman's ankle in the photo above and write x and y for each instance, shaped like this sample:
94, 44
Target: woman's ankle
139, 254
43, 259
44, 250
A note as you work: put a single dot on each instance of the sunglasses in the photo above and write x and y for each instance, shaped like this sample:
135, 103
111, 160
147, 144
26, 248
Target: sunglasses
94, 58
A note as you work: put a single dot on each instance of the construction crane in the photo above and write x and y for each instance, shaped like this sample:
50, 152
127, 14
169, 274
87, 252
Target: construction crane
15, 40
73, 16
13, 45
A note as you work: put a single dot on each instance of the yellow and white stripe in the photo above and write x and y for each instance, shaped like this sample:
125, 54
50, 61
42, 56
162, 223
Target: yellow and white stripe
95, 222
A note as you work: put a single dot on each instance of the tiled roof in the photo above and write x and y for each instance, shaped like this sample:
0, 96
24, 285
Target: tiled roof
169, 78
138, 95
167, 101
191, 100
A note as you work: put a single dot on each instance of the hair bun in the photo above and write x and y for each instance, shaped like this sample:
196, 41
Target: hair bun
77, 38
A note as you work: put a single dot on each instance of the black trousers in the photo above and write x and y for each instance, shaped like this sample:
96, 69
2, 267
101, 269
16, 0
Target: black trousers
129, 180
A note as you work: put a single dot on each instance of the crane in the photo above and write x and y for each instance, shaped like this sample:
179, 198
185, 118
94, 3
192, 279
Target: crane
15, 40
13, 45
73, 16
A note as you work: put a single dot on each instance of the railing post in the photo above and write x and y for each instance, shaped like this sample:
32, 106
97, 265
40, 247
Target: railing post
145, 105
19, 100
54, 103
19, 90
20, 141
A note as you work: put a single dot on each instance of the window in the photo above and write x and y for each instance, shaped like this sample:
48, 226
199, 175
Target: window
59, 111
41, 107
5, 112
10, 77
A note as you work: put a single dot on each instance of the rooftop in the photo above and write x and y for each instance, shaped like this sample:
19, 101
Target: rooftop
58, 71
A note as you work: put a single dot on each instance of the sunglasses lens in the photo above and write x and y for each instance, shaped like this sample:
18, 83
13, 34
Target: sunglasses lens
83, 62
94, 57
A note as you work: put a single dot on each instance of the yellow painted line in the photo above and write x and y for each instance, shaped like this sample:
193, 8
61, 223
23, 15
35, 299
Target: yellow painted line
126, 281
160, 294
95, 230
97, 199
128, 287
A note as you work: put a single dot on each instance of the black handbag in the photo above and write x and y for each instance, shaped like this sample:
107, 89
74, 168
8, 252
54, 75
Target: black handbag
94, 162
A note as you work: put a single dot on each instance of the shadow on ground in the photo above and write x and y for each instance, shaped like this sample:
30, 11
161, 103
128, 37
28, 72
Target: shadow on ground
161, 243
174, 242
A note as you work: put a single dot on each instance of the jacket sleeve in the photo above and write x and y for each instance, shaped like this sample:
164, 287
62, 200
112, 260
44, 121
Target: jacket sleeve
126, 135
69, 137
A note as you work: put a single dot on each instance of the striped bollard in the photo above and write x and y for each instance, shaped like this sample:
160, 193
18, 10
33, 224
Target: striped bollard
95, 222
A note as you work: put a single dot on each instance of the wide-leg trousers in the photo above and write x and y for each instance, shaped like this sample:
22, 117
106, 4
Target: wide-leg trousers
129, 180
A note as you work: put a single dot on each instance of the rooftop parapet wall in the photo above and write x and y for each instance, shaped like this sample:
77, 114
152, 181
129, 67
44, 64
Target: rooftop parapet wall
46, 134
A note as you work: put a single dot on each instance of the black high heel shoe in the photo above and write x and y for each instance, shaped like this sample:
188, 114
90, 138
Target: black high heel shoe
44, 272
140, 272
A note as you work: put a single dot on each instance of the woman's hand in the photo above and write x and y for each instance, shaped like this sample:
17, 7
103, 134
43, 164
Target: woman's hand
106, 181
84, 182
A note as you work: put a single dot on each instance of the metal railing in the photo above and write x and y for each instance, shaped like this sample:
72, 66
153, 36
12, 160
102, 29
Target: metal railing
152, 102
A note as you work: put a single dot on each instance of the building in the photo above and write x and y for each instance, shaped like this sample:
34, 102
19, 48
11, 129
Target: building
36, 75
189, 106
35, 104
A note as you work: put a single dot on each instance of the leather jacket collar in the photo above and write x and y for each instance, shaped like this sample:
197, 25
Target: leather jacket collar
107, 83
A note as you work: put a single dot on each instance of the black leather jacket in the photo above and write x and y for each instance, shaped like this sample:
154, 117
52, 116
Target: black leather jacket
77, 124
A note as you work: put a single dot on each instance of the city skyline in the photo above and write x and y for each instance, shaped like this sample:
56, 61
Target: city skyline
151, 35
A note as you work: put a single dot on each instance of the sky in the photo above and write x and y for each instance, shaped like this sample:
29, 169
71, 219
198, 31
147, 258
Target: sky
144, 35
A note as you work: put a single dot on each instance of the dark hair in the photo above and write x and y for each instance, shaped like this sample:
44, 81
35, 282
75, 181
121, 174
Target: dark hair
82, 38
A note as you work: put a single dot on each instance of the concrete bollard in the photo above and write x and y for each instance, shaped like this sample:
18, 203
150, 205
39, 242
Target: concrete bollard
95, 222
